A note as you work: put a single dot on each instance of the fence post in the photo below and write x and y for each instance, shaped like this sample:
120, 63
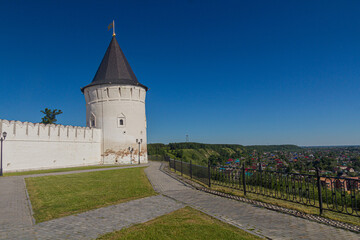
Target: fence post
181, 166
190, 168
319, 190
175, 164
209, 174
244, 179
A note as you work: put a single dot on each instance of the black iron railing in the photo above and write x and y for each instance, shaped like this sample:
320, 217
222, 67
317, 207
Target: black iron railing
326, 193
199, 173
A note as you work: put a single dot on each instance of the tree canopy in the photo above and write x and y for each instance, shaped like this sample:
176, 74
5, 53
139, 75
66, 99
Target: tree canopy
50, 115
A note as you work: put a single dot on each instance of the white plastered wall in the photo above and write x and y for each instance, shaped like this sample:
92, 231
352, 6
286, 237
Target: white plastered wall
32, 146
109, 104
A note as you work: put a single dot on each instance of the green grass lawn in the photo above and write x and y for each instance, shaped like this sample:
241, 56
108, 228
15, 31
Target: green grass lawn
60, 170
57, 196
186, 223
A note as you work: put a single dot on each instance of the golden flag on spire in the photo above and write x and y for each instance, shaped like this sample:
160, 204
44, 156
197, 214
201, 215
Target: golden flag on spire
110, 26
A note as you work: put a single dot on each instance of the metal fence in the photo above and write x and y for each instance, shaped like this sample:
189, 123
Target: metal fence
199, 173
336, 194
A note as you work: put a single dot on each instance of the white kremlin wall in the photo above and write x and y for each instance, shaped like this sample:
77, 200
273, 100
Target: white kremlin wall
32, 146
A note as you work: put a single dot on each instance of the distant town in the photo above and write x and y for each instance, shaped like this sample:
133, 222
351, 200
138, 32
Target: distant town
336, 161
332, 161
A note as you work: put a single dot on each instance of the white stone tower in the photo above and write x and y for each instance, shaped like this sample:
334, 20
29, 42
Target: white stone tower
115, 103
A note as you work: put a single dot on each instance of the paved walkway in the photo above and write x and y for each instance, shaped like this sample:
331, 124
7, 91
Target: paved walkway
14, 209
16, 221
265, 222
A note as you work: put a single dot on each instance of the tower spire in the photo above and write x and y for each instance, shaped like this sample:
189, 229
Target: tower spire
114, 68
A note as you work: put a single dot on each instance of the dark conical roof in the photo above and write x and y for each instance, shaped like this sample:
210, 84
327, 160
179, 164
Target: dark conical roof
114, 68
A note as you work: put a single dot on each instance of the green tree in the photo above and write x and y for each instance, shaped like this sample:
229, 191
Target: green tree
50, 116
194, 157
213, 159
179, 153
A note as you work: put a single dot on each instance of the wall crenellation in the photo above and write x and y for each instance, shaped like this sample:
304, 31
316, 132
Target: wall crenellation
115, 93
38, 131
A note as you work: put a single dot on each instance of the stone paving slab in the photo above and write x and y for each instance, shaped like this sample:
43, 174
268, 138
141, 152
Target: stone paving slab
265, 222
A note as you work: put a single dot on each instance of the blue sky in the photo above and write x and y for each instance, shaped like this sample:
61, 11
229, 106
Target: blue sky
245, 72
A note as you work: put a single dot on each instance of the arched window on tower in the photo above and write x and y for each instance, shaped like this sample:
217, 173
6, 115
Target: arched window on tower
92, 120
121, 121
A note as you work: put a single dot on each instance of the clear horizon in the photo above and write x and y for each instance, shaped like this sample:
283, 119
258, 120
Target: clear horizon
249, 72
